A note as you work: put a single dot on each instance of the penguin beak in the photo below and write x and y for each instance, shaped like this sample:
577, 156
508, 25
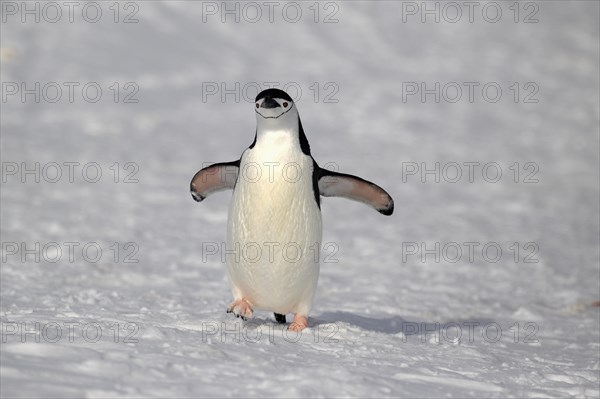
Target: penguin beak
269, 103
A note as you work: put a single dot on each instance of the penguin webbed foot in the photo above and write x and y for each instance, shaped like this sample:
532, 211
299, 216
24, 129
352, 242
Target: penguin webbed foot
240, 308
300, 323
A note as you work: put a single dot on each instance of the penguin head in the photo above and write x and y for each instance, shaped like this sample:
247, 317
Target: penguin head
275, 106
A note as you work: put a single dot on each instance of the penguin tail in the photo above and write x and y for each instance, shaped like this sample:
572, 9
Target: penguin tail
280, 318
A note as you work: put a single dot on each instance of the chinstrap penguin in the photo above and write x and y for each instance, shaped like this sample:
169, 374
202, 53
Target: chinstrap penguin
275, 210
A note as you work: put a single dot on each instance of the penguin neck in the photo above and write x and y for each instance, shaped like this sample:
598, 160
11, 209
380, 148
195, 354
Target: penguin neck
272, 133
275, 143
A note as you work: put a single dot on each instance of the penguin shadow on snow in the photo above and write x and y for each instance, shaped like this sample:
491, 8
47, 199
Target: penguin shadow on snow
395, 324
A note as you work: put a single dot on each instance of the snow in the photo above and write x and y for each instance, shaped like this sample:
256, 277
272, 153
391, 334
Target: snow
385, 323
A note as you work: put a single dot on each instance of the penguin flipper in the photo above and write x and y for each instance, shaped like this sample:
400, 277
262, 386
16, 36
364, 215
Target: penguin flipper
213, 178
334, 184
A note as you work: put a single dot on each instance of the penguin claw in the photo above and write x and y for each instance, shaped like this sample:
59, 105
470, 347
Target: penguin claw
240, 308
300, 323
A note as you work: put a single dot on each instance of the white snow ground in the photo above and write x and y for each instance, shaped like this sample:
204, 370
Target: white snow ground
371, 325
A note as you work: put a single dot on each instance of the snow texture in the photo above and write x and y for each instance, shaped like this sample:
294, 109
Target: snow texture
385, 323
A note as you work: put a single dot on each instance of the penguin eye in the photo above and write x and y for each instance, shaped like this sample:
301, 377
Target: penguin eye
285, 104
257, 105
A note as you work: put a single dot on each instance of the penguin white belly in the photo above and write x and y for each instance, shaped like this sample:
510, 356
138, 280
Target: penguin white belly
274, 227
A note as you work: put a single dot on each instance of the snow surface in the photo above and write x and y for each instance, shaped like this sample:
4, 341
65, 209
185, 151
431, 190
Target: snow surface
371, 325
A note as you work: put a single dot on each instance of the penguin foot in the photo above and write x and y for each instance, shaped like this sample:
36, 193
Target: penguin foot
300, 323
240, 308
